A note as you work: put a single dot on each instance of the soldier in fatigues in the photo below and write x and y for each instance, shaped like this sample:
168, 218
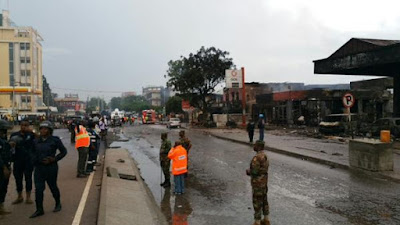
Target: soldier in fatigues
5, 167
258, 172
186, 144
164, 160
185, 141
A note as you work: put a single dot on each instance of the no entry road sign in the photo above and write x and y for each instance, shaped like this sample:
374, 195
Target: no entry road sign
348, 100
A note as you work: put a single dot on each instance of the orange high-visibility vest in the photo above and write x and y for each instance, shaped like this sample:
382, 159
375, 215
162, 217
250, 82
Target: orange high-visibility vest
82, 139
178, 155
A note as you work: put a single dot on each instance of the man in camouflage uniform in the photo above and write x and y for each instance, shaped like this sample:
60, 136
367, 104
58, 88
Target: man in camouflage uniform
186, 144
185, 141
258, 172
5, 161
165, 162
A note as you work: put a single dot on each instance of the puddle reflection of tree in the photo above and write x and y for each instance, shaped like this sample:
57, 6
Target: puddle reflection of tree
182, 209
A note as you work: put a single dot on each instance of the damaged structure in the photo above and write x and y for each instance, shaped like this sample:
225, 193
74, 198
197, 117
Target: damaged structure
371, 57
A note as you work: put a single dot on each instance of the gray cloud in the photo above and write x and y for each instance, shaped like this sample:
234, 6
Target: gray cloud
126, 44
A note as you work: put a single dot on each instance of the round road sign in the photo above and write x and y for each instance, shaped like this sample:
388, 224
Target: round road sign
348, 100
234, 73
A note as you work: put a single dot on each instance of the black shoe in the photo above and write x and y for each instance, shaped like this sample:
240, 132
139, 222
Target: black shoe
37, 213
57, 208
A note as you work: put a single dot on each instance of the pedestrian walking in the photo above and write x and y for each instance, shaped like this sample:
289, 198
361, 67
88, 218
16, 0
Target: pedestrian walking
165, 162
178, 155
5, 161
93, 147
258, 172
82, 144
45, 161
103, 128
261, 126
22, 143
250, 130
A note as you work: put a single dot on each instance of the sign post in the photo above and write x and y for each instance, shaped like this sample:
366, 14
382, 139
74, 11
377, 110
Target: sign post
243, 100
348, 102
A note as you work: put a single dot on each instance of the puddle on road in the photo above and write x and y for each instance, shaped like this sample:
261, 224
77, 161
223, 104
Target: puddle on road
175, 208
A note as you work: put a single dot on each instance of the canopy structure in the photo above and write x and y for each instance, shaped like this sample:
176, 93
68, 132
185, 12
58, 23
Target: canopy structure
371, 57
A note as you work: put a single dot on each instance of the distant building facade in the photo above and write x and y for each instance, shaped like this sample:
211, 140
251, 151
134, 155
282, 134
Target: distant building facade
71, 102
21, 76
156, 95
127, 94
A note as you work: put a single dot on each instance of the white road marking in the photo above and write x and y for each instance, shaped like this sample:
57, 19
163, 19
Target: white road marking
82, 203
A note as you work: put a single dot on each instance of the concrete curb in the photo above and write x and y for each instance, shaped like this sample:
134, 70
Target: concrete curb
310, 158
134, 203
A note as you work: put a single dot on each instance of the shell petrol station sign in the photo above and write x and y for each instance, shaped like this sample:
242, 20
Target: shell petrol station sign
233, 78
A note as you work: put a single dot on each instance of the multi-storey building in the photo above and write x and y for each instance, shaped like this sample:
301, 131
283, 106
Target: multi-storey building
155, 95
21, 74
71, 102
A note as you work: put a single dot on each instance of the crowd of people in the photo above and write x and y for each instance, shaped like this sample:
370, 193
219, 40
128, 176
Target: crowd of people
28, 155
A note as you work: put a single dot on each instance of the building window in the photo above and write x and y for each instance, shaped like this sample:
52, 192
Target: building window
11, 62
25, 60
25, 46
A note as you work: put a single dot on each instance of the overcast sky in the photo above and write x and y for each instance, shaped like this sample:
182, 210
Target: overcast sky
123, 45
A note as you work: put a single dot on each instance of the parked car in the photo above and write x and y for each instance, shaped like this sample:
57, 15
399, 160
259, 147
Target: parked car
392, 124
174, 122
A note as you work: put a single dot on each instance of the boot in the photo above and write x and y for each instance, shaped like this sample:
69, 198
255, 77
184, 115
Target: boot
166, 184
39, 211
19, 199
57, 208
266, 221
257, 222
28, 199
3, 211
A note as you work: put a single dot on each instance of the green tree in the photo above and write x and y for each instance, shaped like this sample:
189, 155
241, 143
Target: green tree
116, 102
174, 105
95, 104
134, 103
197, 75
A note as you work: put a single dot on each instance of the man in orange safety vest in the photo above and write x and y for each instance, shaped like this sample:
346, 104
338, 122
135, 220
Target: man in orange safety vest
82, 142
178, 155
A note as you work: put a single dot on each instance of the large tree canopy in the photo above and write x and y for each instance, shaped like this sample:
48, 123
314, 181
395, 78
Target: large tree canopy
174, 105
196, 76
131, 103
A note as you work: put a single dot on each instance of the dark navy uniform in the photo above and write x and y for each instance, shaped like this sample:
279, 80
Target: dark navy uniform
93, 149
5, 161
22, 159
42, 149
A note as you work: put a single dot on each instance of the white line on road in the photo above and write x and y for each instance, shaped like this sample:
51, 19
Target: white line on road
82, 203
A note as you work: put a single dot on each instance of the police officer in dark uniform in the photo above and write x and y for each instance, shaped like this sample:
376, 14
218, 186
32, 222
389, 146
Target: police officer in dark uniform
22, 142
5, 161
93, 148
71, 128
46, 168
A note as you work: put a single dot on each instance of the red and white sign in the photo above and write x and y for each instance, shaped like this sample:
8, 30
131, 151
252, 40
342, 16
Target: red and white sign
348, 100
233, 78
186, 106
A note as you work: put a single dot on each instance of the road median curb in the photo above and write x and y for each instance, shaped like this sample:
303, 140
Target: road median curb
125, 199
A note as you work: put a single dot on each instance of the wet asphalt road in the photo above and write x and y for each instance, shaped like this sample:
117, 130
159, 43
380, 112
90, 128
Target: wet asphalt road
300, 192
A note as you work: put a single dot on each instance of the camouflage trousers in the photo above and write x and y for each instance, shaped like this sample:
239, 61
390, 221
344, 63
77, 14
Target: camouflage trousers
165, 165
260, 202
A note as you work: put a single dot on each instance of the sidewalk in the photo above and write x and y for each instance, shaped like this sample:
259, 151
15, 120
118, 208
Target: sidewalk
125, 198
331, 152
